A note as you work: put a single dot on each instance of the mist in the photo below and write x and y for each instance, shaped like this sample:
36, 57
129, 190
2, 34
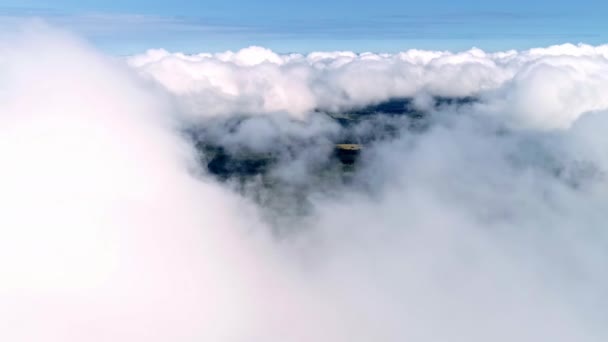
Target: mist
481, 221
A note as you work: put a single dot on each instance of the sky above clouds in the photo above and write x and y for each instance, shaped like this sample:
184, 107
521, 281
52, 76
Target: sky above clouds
132, 26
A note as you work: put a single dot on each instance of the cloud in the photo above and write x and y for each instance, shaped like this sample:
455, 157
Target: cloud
488, 224
106, 234
557, 83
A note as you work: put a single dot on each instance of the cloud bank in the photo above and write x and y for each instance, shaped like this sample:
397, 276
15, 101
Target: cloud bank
489, 225
539, 88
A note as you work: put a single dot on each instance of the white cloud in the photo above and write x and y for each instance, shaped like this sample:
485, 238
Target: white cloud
256, 80
105, 235
110, 232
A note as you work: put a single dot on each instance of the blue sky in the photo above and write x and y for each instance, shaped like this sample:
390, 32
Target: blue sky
130, 26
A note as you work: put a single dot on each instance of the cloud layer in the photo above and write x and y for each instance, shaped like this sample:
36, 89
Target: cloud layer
540, 88
487, 226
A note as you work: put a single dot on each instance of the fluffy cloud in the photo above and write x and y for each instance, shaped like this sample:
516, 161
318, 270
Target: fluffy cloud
106, 234
542, 88
487, 226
